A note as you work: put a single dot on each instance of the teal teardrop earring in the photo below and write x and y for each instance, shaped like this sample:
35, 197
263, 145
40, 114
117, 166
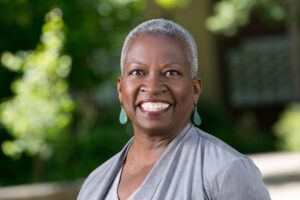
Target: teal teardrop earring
196, 117
123, 117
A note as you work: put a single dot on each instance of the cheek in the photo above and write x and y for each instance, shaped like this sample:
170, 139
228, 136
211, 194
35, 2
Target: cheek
185, 102
129, 90
185, 93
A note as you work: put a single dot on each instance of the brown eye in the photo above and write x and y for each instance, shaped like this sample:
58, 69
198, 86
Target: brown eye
136, 72
171, 73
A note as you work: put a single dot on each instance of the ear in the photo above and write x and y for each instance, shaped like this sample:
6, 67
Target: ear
120, 81
197, 86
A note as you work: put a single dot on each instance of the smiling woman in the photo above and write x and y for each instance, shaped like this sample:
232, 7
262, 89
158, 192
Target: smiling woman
168, 157
157, 89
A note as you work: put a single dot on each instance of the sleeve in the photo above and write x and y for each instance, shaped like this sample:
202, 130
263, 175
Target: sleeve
241, 180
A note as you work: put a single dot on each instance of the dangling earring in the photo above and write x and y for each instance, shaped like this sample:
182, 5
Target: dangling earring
123, 117
196, 117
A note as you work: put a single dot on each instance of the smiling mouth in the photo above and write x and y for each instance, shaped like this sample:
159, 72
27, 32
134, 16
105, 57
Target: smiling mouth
155, 106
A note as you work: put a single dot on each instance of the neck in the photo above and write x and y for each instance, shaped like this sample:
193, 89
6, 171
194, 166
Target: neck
147, 148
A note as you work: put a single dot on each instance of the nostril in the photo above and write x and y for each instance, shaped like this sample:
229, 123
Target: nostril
154, 90
153, 85
142, 89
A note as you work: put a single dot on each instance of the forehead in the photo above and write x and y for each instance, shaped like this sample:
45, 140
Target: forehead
162, 45
173, 38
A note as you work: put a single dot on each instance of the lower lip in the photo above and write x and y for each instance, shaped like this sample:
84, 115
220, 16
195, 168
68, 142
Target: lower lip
153, 113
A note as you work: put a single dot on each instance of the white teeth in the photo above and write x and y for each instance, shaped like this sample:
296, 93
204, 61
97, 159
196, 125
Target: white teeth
154, 106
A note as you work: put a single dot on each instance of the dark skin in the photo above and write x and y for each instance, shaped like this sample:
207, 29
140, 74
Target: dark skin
156, 71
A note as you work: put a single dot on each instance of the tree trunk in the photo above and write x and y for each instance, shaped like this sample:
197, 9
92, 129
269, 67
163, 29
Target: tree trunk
37, 168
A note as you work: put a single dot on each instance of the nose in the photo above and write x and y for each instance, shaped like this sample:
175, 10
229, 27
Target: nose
154, 84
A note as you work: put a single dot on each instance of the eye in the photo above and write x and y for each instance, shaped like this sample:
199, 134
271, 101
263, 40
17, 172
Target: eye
171, 73
137, 72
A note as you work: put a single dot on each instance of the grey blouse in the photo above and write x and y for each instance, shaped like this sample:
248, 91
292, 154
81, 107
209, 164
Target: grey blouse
195, 166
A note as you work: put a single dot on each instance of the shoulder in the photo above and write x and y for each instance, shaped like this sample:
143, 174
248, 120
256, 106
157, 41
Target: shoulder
213, 149
96, 179
241, 179
216, 154
106, 171
228, 173
213, 155
96, 184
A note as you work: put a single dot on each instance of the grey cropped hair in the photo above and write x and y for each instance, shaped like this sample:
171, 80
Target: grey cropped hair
166, 28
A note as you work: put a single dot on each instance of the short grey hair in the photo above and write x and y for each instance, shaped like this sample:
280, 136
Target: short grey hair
166, 28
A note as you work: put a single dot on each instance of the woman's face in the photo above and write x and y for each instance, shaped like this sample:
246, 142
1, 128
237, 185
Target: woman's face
156, 89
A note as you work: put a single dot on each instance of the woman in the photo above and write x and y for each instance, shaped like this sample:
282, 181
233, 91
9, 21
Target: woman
168, 157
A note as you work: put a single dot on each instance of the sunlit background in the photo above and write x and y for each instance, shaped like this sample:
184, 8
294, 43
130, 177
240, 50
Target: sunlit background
58, 100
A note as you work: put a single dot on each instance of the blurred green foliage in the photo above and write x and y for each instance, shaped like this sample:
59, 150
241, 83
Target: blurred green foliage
287, 128
229, 15
172, 4
78, 156
40, 109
